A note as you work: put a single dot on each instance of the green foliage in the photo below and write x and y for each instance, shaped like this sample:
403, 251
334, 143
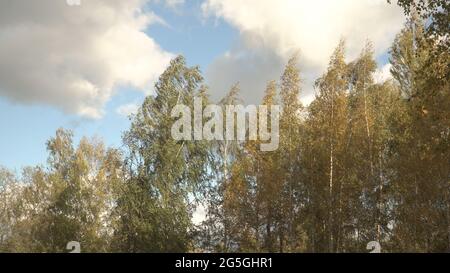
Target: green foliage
71, 200
365, 161
437, 11
165, 175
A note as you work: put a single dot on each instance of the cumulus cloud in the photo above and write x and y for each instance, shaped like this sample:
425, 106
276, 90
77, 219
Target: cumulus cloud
74, 57
272, 31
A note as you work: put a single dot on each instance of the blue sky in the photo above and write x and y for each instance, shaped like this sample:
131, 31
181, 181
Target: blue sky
220, 37
27, 128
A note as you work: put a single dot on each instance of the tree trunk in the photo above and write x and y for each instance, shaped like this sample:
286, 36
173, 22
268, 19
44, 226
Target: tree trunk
330, 213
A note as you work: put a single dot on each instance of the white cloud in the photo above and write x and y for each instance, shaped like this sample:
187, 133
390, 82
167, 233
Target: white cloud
73, 57
127, 110
383, 74
272, 31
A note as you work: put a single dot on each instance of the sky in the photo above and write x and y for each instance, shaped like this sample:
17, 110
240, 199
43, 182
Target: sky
87, 67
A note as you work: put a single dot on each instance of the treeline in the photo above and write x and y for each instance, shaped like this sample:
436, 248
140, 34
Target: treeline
365, 161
